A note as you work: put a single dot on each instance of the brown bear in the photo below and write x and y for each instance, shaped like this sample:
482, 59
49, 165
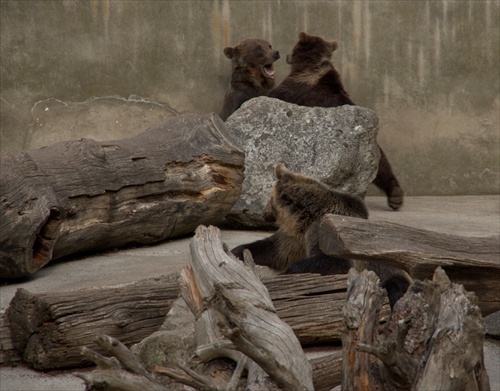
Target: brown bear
297, 204
314, 81
252, 73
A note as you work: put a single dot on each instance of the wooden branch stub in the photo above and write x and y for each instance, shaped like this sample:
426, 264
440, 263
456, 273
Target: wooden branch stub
469, 261
84, 195
364, 301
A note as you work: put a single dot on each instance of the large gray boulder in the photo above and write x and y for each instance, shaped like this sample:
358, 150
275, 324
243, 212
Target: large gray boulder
334, 145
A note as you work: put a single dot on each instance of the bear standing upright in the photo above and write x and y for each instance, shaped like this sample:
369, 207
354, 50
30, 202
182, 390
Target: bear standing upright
314, 81
297, 204
252, 73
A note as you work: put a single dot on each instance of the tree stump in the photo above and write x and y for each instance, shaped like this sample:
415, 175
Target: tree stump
433, 340
84, 195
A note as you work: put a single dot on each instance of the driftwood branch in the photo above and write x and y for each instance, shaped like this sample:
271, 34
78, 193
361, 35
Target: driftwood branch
248, 317
433, 340
128, 375
85, 195
472, 262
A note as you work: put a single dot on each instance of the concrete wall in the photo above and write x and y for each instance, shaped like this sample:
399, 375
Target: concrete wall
430, 69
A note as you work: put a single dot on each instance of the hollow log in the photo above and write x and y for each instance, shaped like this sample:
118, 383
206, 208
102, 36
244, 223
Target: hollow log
473, 262
84, 195
433, 340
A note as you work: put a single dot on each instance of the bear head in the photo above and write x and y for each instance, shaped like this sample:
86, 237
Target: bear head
310, 53
297, 201
253, 53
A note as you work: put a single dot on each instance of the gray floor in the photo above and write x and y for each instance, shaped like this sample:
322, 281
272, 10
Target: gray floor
464, 215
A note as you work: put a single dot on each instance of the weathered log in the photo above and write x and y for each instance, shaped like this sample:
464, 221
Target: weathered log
249, 318
85, 195
48, 330
310, 304
433, 340
469, 261
246, 321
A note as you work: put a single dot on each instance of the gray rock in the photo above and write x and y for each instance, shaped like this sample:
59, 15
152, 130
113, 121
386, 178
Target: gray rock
334, 145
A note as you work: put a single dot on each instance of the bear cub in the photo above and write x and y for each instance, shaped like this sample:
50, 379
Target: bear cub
252, 73
314, 81
297, 204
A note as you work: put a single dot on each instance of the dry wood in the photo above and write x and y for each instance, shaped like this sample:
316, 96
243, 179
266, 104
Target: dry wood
85, 195
327, 369
249, 319
310, 304
126, 374
433, 340
472, 262
49, 329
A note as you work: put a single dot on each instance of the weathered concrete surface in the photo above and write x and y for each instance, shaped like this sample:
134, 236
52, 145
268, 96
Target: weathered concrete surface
99, 119
334, 145
429, 69
469, 216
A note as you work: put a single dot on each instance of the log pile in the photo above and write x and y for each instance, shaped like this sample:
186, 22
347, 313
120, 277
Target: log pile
472, 262
48, 329
85, 196
432, 340
433, 336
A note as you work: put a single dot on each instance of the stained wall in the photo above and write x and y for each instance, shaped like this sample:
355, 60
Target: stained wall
108, 69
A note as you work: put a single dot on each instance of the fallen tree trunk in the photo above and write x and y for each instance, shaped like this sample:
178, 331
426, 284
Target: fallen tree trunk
433, 340
48, 329
84, 195
472, 262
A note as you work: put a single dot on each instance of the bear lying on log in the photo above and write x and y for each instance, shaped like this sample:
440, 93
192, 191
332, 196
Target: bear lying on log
85, 195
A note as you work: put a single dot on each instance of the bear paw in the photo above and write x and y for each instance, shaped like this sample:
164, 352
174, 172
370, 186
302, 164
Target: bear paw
395, 199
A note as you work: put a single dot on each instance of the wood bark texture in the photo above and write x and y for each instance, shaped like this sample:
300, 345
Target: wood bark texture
248, 317
84, 195
48, 330
242, 319
433, 340
310, 304
472, 262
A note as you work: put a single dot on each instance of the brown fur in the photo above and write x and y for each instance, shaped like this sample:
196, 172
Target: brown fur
252, 73
297, 204
314, 81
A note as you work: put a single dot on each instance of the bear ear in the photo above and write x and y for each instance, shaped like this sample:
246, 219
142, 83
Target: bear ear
334, 45
281, 172
229, 52
302, 36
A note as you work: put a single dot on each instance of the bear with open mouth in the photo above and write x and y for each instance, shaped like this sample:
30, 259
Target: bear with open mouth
252, 73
